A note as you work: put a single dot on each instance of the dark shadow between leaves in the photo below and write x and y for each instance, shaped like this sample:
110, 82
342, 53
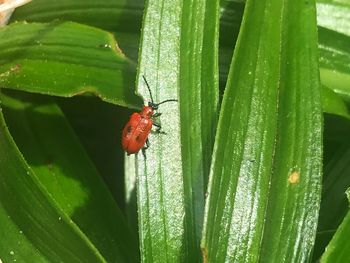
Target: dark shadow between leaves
39, 134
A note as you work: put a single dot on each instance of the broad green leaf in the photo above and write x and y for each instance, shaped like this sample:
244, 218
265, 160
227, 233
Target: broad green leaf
65, 59
264, 187
111, 15
62, 167
334, 204
122, 17
338, 249
171, 180
32, 225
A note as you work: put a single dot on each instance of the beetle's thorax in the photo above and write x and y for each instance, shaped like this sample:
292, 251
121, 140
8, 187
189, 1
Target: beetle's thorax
147, 112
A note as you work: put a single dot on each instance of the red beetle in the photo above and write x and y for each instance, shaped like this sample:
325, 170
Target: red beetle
136, 131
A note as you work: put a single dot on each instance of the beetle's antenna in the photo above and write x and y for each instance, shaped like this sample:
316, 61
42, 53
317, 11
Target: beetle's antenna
165, 101
149, 89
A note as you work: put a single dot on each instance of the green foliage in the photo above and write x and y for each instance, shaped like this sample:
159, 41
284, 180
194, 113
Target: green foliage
237, 174
266, 170
65, 59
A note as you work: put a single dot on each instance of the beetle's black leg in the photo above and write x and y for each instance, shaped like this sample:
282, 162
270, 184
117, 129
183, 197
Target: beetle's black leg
159, 128
144, 153
157, 114
147, 144
145, 148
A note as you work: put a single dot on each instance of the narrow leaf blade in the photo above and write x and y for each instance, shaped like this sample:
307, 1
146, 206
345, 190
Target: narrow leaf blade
160, 192
171, 186
265, 181
338, 249
199, 90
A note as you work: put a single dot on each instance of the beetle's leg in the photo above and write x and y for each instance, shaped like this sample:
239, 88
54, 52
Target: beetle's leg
145, 148
147, 144
144, 152
159, 128
157, 114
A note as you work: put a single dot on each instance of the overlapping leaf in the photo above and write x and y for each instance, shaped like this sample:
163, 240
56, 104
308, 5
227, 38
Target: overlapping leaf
33, 226
65, 59
265, 180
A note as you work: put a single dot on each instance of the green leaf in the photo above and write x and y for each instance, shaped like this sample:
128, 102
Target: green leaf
62, 167
111, 15
171, 180
334, 204
335, 61
338, 249
347, 192
332, 103
122, 17
265, 178
199, 91
32, 225
334, 15
334, 49
65, 59
160, 190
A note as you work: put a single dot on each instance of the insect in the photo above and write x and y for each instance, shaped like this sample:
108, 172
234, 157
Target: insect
136, 131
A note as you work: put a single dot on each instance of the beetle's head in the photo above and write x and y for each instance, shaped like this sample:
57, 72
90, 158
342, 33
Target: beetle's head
153, 105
